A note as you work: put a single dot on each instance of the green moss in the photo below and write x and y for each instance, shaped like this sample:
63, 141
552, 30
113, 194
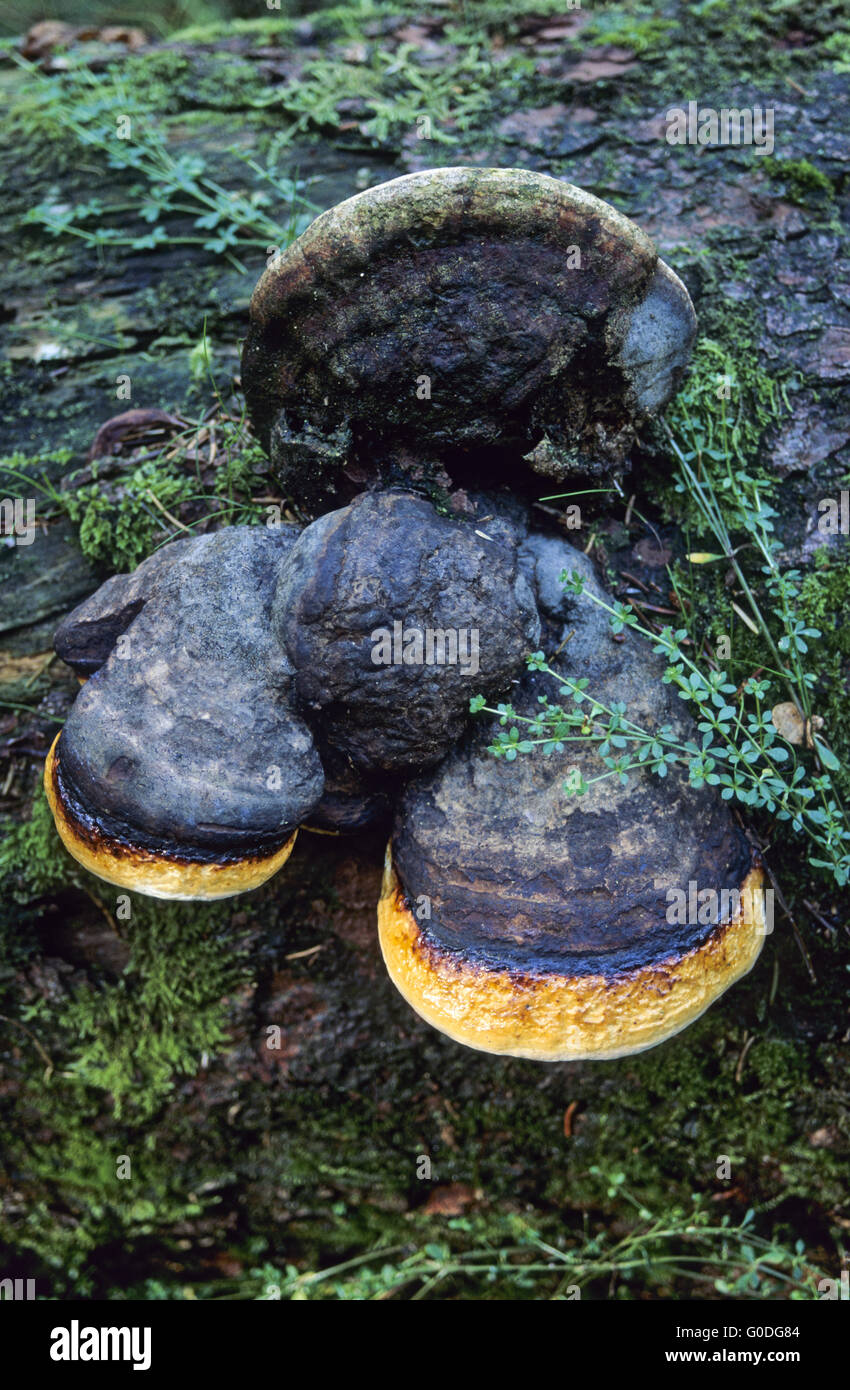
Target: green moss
32, 865
803, 182
335, 22
639, 28
728, 401
157, 81
338, 23
396, 92
837, 49
81, 1207
119, 530
32, 859
825, 604
132, 1039
122, 523
339, 1158
724, 40
170, 81
115, 1050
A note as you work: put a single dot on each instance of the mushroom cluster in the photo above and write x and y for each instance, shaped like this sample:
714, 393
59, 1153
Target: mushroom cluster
519, 920
239, 684
247, 682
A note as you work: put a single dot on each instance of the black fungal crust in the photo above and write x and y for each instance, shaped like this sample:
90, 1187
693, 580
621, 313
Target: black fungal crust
375, 573
352, 800
106, 835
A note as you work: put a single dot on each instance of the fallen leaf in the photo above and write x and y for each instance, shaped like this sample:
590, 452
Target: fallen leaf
135, 425
451, 1200
826, 1138
42, 38
790, 724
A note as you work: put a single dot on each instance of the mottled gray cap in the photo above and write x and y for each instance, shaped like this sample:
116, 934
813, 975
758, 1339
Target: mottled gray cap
184, 736
85, 638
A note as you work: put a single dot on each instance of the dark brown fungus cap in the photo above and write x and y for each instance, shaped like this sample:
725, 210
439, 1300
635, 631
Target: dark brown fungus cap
520, 920
459, 309
393, 617
182, 771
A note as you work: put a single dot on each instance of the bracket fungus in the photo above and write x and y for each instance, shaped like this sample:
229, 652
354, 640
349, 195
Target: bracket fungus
230, 670
387, 612
519, 920
459, 310
246, 682
181, 770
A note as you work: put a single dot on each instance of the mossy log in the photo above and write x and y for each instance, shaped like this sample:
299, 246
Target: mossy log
276, 1098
